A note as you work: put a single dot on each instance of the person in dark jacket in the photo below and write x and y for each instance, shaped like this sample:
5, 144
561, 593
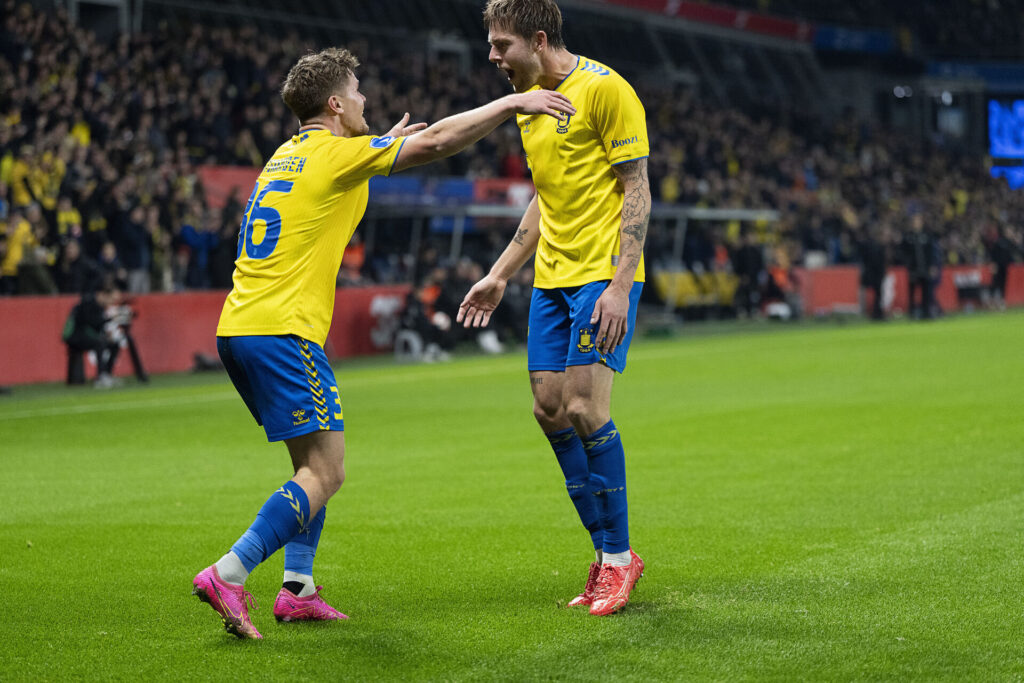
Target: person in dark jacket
921, 257
76, 273
1003, 252
85, 330
748, 265
874, 264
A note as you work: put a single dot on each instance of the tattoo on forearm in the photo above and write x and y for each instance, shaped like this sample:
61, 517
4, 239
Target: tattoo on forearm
520, 237
636, 205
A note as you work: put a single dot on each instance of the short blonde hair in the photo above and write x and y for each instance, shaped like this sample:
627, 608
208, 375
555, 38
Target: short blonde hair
316, 77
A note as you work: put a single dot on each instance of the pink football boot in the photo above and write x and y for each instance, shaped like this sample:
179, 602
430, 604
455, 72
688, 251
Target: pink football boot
230, 601
290, 607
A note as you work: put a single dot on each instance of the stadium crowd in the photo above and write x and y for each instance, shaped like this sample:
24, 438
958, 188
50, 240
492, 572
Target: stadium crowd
963, 28
100, 146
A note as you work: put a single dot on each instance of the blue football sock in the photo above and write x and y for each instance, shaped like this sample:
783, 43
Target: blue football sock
608, 477
573, 461
300, 552
283, 515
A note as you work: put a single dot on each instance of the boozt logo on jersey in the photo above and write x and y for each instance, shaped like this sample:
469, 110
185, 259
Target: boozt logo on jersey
381, 143
563, 127
624, 142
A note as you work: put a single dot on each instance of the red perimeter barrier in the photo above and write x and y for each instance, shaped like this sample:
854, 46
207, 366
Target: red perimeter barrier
171, 328
835, 289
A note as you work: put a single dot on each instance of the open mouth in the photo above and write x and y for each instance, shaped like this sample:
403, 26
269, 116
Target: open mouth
509, 73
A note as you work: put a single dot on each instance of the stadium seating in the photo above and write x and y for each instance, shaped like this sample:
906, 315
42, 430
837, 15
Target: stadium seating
153, 110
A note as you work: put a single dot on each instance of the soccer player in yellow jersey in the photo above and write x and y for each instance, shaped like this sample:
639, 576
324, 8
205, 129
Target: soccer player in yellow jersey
585, 229
306, 203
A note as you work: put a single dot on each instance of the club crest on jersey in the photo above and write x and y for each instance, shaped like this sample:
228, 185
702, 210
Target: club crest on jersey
382, 142
586, 344
563, 127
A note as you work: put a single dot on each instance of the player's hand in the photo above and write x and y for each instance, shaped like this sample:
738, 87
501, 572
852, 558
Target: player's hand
543, 102
400, 129
481, 300
612, 310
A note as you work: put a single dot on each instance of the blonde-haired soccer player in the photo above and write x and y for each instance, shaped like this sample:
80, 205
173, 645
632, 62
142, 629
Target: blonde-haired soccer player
585, 228
304, 208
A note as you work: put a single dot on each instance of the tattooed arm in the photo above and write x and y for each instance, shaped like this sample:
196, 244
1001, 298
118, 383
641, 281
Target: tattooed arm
612, 308
484, 297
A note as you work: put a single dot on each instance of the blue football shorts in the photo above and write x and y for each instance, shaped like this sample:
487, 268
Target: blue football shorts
286, 383
560, 333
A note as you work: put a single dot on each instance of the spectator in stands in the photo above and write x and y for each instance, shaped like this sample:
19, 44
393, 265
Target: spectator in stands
69, 220
110, 266
19, 237
144, 109
76, 273
135, 250
201, 243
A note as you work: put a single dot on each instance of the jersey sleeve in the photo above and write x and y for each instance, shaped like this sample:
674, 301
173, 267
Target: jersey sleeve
355, 160
619, 119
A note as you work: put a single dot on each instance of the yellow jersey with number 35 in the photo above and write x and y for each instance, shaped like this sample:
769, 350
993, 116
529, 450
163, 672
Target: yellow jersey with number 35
307, 202
579, 196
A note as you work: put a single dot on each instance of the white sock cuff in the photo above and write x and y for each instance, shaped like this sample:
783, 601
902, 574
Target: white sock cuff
231, 569
308, 586
617, 559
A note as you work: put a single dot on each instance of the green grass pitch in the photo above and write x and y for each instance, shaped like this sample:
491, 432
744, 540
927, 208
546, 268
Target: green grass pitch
813, 503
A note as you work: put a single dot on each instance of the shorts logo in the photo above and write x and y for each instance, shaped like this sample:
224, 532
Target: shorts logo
563, 127
381, 143
586, 344
300, 417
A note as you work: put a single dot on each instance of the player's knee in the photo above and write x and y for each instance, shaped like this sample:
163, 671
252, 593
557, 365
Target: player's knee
333, 477
547, 413
578, 410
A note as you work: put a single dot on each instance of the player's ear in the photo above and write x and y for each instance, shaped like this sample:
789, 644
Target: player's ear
334, 105
540, 41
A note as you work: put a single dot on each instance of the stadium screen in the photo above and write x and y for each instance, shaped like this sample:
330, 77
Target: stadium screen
1014, 175
1006, 129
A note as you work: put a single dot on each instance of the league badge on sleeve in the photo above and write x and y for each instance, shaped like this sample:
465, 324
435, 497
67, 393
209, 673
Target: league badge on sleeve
381, 142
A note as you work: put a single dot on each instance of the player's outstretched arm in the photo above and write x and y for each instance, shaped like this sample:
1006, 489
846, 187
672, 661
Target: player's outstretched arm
476, 309
612, 307
454, 133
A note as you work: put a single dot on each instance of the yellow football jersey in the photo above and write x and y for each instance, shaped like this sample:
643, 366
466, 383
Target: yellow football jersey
579, 196
307, 202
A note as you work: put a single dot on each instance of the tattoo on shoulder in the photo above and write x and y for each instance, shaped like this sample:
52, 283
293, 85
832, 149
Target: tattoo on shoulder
520, 237
635, 170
